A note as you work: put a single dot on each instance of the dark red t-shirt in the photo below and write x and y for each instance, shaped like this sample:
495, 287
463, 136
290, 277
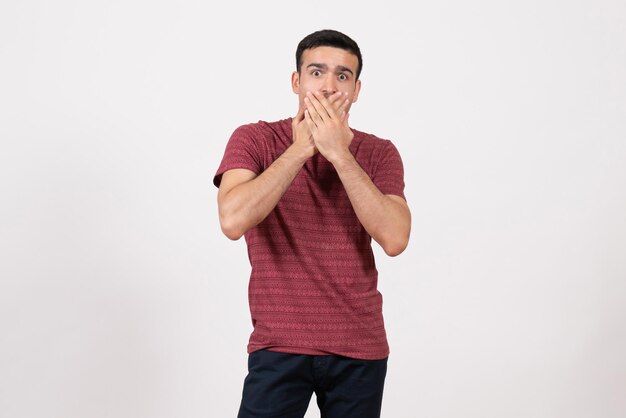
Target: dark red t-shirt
313, 285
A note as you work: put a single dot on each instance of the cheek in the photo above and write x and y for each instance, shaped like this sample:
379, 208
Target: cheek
309, 85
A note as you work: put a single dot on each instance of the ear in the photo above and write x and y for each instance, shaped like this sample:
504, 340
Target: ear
295, 82
357, 89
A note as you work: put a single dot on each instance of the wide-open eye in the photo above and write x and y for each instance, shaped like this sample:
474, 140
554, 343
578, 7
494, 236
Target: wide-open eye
316, 73
343, 77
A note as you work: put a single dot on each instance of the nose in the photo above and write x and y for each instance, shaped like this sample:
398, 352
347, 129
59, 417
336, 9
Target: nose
329, 86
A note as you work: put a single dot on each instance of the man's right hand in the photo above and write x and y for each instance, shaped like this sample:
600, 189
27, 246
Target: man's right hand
302, 134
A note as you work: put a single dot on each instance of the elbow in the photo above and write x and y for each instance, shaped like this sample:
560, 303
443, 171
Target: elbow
396, 245
230, 228
231, 234
395, 249
395, 237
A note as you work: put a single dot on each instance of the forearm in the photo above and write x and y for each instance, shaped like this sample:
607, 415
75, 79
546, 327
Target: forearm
387, 220
247, 204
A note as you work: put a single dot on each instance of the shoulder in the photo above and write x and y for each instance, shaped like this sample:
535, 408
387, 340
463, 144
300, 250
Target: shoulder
370, 143
263, 129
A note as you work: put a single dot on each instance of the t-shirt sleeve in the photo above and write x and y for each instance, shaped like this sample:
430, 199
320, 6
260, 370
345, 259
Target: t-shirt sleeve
389, 173
241, 152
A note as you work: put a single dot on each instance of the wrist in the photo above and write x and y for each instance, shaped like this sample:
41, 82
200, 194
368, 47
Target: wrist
342, 159
300, 152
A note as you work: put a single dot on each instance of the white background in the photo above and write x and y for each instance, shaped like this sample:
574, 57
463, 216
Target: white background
119, 297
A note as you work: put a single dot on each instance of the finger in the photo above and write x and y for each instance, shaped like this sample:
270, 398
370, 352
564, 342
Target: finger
309, 120
331, 110
340, 102
326, 104
315, 100
314, 108
335, 98
345, 105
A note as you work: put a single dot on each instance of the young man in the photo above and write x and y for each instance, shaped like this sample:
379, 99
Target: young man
309, 193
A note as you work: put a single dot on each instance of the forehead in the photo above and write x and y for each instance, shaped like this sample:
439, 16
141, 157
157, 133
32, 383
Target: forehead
330, 56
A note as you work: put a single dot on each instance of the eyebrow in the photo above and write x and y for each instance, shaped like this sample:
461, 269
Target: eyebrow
341, 68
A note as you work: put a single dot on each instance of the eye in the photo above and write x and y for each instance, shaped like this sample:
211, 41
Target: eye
316, 73
343, 77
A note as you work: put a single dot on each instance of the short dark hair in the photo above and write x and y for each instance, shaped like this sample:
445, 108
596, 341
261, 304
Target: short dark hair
329, 37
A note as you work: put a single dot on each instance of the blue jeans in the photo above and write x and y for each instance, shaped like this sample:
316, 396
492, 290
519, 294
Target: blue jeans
280, 385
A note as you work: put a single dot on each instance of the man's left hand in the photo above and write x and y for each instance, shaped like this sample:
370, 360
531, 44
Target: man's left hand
329, 125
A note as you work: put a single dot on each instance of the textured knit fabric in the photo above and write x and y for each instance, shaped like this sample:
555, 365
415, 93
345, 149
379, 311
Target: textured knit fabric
313, 284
